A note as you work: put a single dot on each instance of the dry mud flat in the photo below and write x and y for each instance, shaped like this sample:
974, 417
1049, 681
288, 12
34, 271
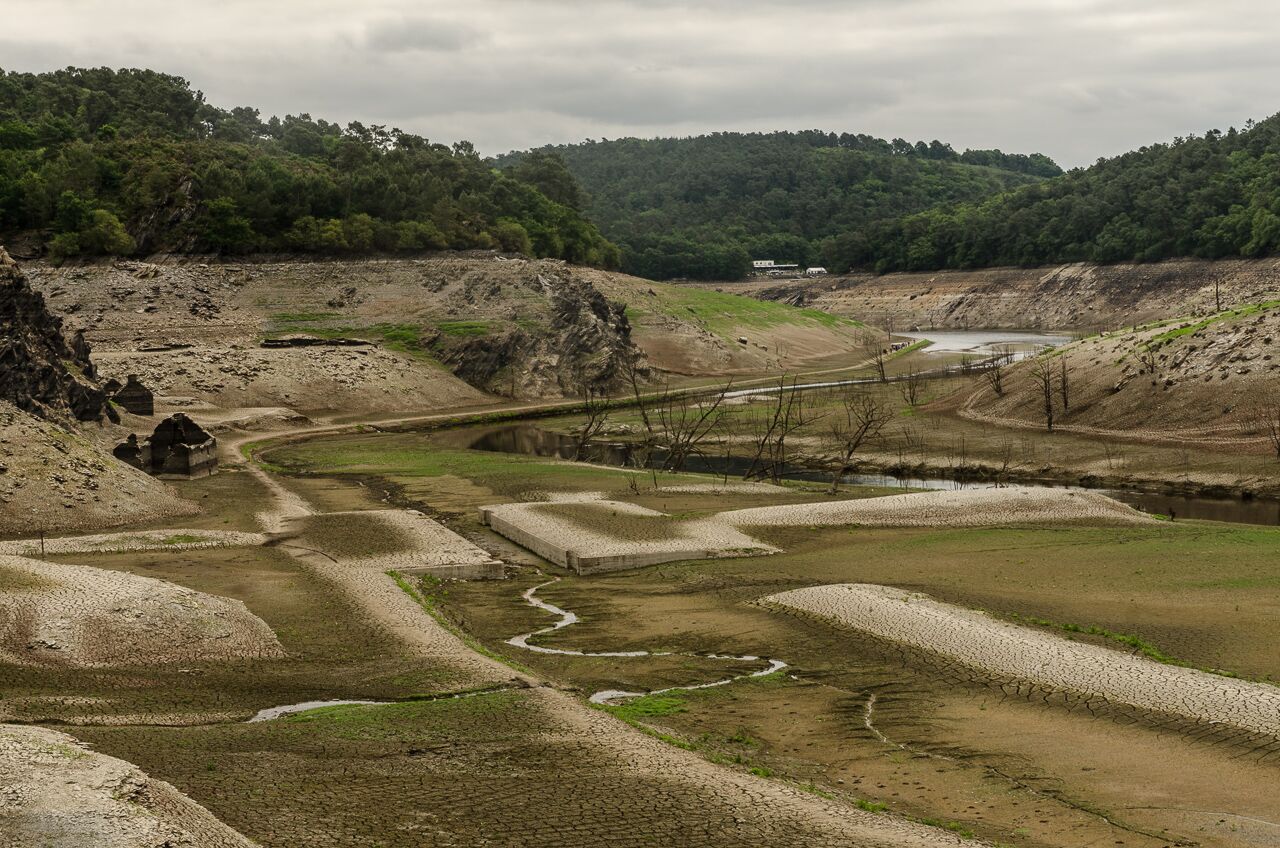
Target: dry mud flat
1045, 661
78, 616
963, 508
58, 794
355, 551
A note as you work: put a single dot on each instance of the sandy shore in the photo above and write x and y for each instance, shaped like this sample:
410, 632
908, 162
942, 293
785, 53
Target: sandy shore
1046, 660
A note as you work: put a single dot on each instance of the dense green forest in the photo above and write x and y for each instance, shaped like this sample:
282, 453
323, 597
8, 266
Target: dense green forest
97, 161
703, 207
1209, 196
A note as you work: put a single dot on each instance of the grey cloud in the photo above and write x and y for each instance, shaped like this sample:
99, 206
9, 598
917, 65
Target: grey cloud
397, 35
1075, 79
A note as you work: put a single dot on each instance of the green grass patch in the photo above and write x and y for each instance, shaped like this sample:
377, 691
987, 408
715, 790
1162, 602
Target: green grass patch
955, 827
401, 338
911, 348
648, 706
400, 456
730, 315
1226, 315
424, 594
464, 328
302, 317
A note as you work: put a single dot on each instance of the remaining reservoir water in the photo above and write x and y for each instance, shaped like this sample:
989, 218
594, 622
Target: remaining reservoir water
985, 342
535, 441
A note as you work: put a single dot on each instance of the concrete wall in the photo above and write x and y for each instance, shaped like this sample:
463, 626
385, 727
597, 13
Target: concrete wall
578, 562
467, 571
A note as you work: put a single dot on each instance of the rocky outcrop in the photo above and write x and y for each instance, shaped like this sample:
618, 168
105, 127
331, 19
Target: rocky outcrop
584, 344
40, 371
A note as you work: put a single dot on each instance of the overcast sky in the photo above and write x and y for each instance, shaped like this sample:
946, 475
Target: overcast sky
1075, 79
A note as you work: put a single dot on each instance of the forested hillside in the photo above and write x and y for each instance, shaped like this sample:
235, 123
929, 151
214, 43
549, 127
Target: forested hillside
703, 207
1210, 196
96, 161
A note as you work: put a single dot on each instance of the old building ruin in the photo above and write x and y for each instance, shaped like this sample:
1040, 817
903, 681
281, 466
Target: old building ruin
135, 398
179, 447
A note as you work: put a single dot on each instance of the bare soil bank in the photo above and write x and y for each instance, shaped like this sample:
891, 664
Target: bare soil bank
437, 332
1079, 295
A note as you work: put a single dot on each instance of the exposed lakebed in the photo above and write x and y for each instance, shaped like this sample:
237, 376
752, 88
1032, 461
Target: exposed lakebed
531, 440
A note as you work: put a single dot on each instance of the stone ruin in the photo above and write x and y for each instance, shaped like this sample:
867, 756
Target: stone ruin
179, 447
135, 398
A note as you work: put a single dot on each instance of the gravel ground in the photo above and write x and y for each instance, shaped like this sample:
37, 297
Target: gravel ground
962, 508
1043, 660
59, 794
80, 616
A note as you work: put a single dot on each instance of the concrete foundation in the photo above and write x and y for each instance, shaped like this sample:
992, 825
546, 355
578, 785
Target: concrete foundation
582, 561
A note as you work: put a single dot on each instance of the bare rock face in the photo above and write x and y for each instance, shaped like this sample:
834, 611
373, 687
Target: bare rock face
583, 344
40, 371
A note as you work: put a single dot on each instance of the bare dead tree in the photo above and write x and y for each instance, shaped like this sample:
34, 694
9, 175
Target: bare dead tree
686, 420
595, 405
771, 429
1270, 418
859, 420
1045, 378
631, 373
1005, 453
994, 375
1064, 384
879, 361
1147, 357
910, 386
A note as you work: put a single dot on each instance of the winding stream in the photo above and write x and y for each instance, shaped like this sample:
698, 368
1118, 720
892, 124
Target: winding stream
612, 696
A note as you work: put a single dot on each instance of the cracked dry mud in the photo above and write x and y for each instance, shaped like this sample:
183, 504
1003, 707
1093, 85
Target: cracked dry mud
1046, 661
56, 793
963, 508
79, 616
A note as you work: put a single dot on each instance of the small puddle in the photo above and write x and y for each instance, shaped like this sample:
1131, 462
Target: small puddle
610, 696
289, 709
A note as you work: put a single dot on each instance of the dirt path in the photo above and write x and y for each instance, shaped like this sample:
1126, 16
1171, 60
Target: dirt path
770, 812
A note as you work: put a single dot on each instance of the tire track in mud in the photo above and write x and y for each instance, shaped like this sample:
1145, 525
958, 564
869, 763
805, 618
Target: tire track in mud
568, 618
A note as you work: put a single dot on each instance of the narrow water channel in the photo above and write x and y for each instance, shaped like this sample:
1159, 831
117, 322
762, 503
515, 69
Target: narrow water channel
532, 440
